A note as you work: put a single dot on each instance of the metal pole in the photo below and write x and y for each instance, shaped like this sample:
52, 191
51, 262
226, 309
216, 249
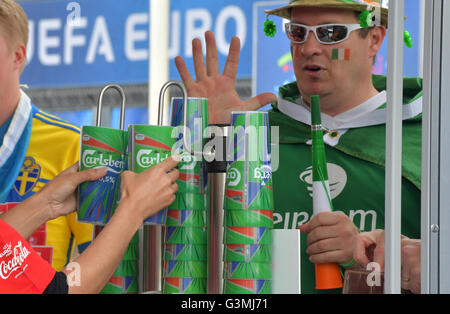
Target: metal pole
426, 148
216, 184
394, 147
442, 231
216, 189
158, 75
432, 139
422, 9
159, 54
152, 258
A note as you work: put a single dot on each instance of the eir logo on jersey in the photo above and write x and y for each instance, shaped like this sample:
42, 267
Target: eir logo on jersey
336, 176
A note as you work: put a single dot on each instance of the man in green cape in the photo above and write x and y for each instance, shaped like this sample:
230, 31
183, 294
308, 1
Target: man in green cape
333, 45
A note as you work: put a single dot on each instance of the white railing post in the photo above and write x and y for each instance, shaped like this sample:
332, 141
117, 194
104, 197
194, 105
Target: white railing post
394, 147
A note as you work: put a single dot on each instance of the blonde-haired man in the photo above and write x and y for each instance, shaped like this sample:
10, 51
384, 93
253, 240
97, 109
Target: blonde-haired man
14, 25
35, 146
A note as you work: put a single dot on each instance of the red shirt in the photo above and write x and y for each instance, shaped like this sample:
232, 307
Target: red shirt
22, 270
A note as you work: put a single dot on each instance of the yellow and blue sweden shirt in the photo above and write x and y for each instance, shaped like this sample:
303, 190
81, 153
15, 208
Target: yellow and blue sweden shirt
54, 146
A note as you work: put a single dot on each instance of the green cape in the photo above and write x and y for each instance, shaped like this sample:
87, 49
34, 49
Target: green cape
367, 143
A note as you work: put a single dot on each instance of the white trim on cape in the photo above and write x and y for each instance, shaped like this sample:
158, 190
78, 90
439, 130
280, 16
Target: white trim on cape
367, 114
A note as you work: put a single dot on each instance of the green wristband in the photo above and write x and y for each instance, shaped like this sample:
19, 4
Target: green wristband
351, 263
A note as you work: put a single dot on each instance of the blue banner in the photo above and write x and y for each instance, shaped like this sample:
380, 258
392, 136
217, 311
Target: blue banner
91, 43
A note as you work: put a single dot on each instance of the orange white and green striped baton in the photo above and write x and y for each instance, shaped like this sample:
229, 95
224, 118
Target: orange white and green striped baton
328, 276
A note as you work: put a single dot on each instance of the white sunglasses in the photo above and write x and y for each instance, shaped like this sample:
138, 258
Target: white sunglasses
327, 34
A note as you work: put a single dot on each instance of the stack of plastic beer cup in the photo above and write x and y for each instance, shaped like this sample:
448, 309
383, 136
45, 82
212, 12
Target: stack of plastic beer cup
125, 278
248, 205
102, 147
148, 146
97, 200
185, 252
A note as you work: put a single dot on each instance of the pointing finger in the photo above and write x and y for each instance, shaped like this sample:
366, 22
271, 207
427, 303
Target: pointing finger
169, 163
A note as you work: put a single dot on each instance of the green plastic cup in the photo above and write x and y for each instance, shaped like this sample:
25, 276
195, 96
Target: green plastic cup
172, 285
191, 269
196, 121
247, 235
250, 137
121, 285
242, 270
247, 286
189, 201
248, 253
101, 147
149, 146
185, 252
248, 185
186, 235
186, 218
249, 218
127, 268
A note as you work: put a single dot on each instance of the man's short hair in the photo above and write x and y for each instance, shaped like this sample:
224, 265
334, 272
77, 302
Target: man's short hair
363, 33
13, 23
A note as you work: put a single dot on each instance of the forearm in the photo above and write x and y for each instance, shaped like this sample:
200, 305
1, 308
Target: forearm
27, 216
99, 261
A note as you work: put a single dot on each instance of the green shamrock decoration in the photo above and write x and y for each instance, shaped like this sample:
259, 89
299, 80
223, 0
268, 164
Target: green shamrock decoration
407, 39
365, 19
270, 29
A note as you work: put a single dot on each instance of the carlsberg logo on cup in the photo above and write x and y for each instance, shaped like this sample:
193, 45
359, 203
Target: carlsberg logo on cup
188, 161
92, 159
146, 159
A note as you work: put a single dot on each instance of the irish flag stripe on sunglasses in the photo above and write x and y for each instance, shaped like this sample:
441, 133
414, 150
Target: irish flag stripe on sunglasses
341, 54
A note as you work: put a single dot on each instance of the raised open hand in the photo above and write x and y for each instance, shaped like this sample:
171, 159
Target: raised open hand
218, 88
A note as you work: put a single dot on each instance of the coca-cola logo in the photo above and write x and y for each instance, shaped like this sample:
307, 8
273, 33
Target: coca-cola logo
7, 267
